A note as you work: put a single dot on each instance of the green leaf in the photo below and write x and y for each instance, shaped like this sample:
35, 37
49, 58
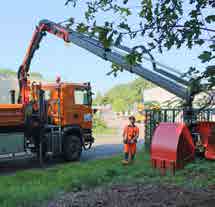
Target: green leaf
105, 36
209, 19
125, 11
73, 2
109, 40
151, 45
212, 47
124, 26
200, 42
210, 71
205, 56
82, 28
133, 58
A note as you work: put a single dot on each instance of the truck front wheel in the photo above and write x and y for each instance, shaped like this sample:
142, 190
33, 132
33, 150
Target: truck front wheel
72, 148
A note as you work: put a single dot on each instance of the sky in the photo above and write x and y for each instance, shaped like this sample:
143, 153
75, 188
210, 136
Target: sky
18, 20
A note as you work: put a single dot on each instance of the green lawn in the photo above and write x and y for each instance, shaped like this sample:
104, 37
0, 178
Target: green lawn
28, 187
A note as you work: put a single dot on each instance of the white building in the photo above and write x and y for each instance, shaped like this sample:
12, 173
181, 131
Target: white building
159, 95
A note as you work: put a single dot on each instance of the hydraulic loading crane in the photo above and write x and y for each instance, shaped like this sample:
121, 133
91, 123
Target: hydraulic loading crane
116, 55
166, 78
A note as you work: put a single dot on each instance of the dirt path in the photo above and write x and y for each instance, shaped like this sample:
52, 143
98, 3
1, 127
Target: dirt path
137, 195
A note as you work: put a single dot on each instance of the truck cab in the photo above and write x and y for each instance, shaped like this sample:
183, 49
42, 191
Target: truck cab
66, 115
57, 120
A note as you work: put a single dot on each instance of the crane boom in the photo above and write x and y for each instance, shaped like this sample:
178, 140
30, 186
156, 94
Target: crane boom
115, 55
95, 47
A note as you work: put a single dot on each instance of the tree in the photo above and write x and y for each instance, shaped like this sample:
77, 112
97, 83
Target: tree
119, 105
123, 96
162, 25
98, 98
105, 100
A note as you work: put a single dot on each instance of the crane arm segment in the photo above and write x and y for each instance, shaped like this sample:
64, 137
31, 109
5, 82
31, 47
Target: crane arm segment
40, 31
116, 54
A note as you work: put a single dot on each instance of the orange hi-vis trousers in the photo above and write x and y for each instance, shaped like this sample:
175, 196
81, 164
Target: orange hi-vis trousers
130, 132
130, 148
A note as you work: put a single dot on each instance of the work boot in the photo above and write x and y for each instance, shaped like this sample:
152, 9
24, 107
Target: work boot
125, 162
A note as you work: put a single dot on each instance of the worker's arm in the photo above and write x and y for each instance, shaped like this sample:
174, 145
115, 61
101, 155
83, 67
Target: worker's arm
137, 134
124, 135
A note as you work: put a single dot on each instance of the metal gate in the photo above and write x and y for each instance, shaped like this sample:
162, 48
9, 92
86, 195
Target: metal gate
154, 117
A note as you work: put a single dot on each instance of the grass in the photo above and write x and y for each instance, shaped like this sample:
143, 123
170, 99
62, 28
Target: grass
27, 187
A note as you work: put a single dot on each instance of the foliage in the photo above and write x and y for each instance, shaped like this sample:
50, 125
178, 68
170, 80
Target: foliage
98, 99
98, 122
151, 104
32, 187
9, 72
161, 25
122, 97
100, 127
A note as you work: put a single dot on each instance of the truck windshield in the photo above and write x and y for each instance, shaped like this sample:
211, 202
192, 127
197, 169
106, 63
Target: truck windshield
82, 96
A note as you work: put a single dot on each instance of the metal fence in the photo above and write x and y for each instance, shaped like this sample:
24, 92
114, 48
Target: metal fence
154, 117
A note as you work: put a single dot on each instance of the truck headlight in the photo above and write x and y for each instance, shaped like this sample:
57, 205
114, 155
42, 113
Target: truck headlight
87, 117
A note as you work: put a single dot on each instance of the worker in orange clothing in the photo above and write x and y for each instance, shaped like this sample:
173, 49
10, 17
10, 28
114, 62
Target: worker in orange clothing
130, 136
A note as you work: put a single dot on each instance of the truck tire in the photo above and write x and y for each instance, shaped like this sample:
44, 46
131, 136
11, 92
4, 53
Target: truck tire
72, 148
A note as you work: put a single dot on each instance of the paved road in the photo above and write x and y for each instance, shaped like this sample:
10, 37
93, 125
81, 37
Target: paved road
106, 146
111, 145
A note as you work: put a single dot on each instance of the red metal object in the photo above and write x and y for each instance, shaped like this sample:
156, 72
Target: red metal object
207, 134
172, 146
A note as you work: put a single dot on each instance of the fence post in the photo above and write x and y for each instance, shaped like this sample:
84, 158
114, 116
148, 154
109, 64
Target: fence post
173, 115
147, 129
165, 115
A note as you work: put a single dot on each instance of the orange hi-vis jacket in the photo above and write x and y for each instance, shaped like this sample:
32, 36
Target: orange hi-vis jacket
130, 132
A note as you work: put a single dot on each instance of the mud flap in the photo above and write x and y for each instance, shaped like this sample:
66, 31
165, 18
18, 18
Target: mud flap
172, 146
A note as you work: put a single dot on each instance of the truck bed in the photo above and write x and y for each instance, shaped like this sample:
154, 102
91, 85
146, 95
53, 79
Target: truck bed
11, 115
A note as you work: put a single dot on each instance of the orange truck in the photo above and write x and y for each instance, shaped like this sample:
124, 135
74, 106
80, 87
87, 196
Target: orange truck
56, 121
47, 119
